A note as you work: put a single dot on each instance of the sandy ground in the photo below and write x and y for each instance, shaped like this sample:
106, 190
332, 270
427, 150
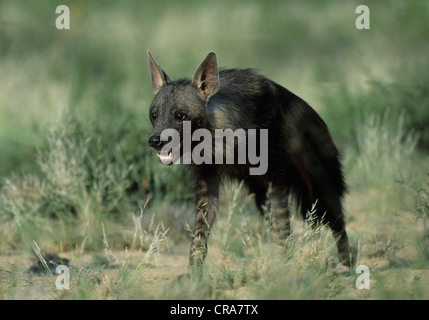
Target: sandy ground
16, 278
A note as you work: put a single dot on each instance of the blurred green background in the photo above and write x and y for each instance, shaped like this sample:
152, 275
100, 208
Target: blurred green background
88, 87
79, 98
98, 69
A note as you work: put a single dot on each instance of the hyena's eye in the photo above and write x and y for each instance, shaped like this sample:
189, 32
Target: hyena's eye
153, 116
180, 116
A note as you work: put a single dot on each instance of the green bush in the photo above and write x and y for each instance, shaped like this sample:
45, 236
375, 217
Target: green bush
407, 97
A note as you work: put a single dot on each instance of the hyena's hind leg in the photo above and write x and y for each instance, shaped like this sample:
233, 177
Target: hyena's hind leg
280, 214
261, 197
333, 215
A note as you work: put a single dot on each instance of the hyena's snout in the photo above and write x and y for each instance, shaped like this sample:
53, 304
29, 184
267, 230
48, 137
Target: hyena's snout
157, 145
155, 142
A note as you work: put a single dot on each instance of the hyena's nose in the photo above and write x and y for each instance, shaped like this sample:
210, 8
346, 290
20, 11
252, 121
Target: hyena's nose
155, 141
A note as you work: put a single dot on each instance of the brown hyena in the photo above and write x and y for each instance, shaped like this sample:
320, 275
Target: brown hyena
302, 158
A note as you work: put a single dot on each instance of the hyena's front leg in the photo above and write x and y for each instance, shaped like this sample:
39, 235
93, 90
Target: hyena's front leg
206, 194
280, 214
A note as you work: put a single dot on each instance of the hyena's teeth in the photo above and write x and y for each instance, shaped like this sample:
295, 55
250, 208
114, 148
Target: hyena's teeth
168, 157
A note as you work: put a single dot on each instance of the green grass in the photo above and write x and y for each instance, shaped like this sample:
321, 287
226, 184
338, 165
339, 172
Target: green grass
77, 177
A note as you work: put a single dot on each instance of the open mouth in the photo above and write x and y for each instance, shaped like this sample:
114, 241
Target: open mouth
169, 156
164, 157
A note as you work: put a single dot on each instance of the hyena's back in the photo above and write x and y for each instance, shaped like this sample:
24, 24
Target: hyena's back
302, 155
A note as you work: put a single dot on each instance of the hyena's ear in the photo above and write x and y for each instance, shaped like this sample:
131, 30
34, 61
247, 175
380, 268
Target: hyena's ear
157, 76
206, 77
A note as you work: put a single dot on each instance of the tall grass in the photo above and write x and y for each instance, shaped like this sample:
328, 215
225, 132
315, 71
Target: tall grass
383, 151
419, 187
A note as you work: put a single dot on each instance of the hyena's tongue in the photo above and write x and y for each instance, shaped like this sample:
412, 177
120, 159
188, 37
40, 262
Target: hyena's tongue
164, 157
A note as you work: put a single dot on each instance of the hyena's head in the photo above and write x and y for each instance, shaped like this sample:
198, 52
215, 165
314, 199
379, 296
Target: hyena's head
178, 101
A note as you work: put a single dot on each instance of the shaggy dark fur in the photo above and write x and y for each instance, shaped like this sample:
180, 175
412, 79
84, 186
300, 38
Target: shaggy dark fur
302, 158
